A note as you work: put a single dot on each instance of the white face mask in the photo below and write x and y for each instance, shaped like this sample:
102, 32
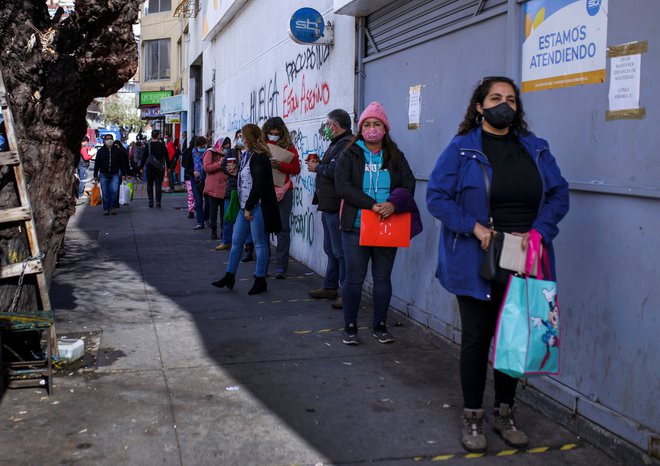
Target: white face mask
109, 142
239, 142
273, 138
165, 140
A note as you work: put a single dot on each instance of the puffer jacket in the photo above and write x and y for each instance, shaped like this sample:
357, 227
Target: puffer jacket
456, 195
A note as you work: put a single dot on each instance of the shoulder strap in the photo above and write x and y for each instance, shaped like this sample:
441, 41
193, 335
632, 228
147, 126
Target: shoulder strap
487, 185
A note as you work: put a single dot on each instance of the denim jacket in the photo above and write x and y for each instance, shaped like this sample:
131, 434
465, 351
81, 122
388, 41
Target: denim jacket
456, 195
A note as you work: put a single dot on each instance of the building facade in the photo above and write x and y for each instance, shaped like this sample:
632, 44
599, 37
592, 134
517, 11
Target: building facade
244, 67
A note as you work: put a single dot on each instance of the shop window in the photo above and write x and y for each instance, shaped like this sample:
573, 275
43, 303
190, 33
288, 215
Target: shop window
158, 6
157, 59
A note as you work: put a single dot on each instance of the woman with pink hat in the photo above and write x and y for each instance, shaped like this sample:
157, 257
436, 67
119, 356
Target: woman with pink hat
367, 173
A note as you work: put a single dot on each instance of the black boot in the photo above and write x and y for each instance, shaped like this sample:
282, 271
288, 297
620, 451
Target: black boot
214, 232
260, 286
229, 280
248, 255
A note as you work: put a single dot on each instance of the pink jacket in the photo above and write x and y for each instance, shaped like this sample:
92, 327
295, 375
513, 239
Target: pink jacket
216, 180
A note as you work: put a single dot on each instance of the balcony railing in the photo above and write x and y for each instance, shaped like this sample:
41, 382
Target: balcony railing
187, 9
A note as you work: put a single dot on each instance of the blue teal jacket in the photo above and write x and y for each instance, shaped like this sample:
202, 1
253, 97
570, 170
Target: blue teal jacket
456, 195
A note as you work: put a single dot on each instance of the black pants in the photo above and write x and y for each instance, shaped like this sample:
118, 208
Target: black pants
154, 176
478, 320
216, 203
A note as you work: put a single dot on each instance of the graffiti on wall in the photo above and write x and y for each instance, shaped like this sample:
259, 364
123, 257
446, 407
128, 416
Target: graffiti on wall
304, 100
312, 58
264, 101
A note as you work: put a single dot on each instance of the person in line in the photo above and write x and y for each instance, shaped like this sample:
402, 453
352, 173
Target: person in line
367, 172
494, 148
216, 184
83, 165
173, 154
154, 158
230, 169
109, 161
248, 247
188, 169
338, 131
123, 174
258, 214
197, 180
278, 134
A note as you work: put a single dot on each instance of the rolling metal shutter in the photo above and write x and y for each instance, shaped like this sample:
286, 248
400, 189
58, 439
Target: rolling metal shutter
401, 24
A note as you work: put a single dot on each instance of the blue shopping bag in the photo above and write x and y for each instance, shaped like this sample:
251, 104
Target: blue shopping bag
528, 328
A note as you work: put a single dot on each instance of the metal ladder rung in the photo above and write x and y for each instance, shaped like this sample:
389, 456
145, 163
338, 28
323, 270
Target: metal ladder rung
9, 158
17, 214
15, 270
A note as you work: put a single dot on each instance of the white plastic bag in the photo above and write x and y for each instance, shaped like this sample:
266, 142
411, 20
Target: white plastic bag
124, 194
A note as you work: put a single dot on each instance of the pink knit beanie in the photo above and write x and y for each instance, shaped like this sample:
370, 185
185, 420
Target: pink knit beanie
374, 110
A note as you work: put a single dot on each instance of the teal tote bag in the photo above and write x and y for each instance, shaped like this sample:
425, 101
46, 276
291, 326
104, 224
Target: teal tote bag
528, 329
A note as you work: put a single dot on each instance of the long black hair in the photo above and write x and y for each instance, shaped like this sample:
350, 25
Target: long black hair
479, 95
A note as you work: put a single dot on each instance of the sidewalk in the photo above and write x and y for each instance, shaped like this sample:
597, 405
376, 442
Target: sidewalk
187, 374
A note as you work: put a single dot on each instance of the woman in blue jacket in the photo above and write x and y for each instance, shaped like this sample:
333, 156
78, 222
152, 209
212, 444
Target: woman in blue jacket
494, 173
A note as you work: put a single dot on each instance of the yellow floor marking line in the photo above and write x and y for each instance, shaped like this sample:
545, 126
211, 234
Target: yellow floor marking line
507, 452
475, 455
538, 450
323, 330
511, 452
442, 457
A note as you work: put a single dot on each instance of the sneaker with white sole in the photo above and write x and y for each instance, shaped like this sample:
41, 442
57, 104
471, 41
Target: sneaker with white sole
381, 333
350, 335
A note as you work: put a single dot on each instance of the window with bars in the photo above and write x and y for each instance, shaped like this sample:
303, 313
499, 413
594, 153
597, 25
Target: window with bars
157, 60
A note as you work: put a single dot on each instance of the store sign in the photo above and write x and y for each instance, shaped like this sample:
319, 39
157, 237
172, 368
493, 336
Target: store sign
171, 118
153, 97
147, 113
565, 43
306, 26
174, 104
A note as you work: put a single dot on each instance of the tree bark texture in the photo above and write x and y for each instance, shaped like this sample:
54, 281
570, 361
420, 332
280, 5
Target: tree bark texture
52, 74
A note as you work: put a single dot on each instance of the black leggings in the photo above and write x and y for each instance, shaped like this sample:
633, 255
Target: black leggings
478, 321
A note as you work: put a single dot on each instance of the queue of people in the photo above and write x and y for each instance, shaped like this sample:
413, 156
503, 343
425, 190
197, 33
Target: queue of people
495, 175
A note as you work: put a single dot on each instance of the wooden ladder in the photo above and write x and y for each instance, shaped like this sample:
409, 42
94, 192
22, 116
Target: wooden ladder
32, 265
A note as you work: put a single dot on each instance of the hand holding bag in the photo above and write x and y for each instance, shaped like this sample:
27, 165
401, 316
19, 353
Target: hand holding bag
124, 194
392, 232
528, 330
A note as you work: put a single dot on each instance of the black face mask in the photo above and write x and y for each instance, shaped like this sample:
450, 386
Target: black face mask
501, 116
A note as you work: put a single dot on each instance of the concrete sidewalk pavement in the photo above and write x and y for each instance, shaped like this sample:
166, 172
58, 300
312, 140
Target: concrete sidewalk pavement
181, 373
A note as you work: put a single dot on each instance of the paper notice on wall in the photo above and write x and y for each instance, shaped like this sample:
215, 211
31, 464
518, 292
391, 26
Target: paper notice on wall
624, 82
415, 106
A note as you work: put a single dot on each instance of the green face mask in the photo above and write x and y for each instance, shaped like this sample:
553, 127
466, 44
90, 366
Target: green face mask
328, 133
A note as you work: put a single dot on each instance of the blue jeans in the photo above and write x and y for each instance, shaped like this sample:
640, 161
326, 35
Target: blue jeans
82, 174
242, 228
109, 190
227, 227
335, 272
357, 261
199, 202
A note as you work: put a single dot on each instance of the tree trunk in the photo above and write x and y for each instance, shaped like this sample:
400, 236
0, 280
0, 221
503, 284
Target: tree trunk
51, 76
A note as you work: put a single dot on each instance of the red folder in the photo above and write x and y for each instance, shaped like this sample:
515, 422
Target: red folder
391, 232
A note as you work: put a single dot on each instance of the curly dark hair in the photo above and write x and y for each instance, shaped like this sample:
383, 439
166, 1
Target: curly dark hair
278, 124
479, 95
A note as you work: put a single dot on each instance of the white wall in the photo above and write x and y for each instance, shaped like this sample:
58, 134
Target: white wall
261, 72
